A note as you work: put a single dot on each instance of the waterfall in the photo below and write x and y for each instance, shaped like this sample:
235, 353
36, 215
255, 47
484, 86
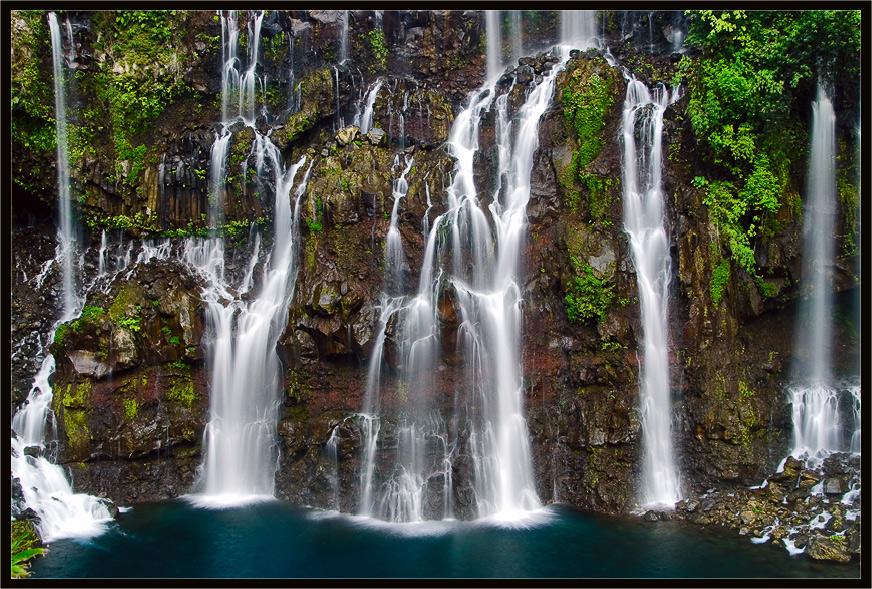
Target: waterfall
365, 121
517, 35
250, 80
644, 222
470, 272
343, 41
855, 405
245, 392
578, 28
229, 69
394, 258
819, 217
66, 235
494, 48
815, 396
62, 513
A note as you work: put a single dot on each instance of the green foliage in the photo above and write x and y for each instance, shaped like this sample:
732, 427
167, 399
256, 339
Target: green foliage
587, 296
316, 224
585, 104
175, 341
718, 283
744, 89
31, 89
59, 334
22, 550
379, 49
131, 323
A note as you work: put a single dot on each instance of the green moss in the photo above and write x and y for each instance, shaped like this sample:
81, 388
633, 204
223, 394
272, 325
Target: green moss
130, 408
78, 395
180, 388
600, 196
60, 333
718, 283
587, 99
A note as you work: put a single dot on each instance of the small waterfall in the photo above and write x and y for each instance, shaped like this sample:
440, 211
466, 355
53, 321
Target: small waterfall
343, 42
815, 396
816, 421
855, 405
578, 28
379, 19
229, 69
644, 223
250, 81
394, 258
101, 264
366, 119
240, 456
516, 24
494, 44
333, 459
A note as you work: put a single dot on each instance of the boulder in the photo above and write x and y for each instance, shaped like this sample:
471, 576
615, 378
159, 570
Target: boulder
828, 548
346, 135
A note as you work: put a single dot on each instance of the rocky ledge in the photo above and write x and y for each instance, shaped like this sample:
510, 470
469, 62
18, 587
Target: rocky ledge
807, 507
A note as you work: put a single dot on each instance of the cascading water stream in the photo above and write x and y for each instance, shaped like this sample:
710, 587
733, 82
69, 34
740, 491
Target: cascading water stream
62, 513
343, 42
394, 257
578, 28
66, 234
494, 48
473, 261
365, 121
815, 396
245, 391
644, 222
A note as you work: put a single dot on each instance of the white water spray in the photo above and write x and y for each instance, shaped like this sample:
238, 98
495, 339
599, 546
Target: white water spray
578, 28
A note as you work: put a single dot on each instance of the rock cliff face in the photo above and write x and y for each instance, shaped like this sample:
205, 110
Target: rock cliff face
131, 388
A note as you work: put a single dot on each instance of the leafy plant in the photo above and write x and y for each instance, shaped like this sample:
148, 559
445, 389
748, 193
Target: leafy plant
744, 88
587, 296
21, 553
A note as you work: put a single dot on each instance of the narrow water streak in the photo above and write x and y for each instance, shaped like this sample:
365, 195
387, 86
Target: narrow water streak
644, 222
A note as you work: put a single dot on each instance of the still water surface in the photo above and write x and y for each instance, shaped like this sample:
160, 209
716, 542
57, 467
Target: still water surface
277, 540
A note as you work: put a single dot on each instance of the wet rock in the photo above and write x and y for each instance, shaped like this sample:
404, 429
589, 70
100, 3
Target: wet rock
828, 548
834, 486
236, 126
346, 135
89, 363
376, 136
